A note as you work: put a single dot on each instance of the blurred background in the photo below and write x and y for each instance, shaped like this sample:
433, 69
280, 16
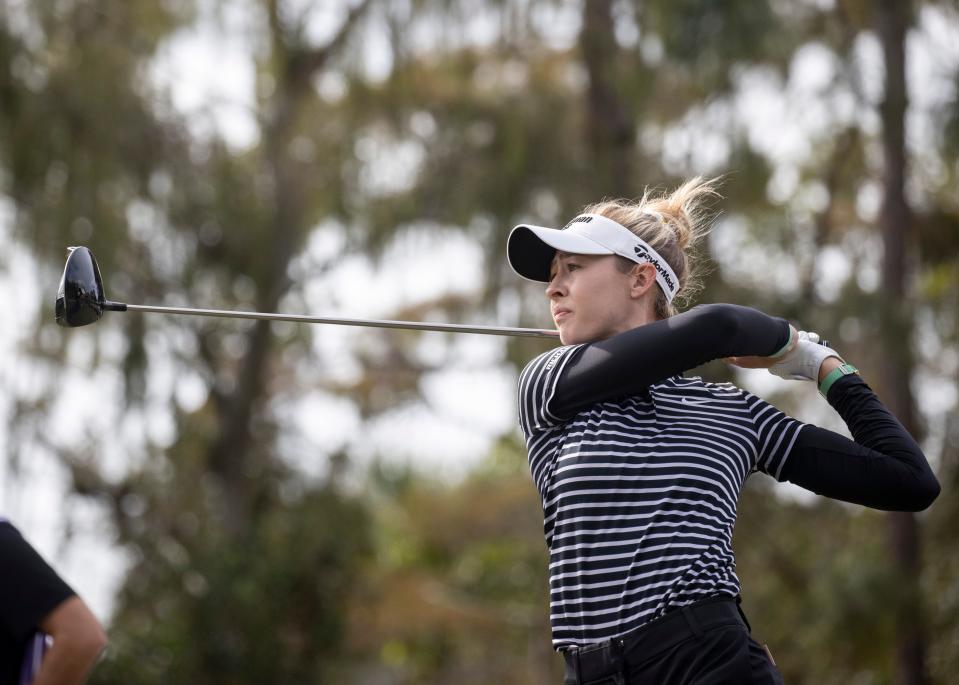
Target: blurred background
251, 503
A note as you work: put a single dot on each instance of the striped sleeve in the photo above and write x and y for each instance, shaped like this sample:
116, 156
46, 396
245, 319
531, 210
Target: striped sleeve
537, 388
775, 434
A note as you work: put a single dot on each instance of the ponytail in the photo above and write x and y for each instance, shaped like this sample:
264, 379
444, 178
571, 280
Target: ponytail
673, 225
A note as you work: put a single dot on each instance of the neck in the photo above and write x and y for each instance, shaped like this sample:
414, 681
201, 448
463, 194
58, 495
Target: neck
644, 313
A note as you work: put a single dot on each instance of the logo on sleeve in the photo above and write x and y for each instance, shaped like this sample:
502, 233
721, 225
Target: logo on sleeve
551, 362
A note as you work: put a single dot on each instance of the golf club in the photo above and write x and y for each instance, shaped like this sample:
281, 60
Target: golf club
81, 301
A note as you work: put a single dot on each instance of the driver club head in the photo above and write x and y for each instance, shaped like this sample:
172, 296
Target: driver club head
80, 299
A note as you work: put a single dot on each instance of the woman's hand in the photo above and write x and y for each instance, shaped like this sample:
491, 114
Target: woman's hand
765, 362
812, 360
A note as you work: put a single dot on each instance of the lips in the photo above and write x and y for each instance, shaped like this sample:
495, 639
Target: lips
560, 314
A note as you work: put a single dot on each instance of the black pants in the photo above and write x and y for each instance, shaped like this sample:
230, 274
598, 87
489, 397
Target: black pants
707, 643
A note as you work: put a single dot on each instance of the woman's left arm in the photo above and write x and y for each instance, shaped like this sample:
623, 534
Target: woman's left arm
882, 467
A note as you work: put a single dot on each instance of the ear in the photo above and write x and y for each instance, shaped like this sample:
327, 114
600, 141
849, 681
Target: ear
642, 277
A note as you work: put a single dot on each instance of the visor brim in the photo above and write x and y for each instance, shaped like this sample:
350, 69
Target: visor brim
530, 249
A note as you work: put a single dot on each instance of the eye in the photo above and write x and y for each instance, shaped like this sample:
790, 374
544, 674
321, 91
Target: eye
572, 266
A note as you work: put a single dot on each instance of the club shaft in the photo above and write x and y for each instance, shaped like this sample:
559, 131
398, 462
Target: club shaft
369, 323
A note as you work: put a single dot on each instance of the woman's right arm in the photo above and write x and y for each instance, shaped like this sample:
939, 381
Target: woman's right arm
629, 362
882, 467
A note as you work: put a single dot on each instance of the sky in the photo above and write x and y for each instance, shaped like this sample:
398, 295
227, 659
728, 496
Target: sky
209, 74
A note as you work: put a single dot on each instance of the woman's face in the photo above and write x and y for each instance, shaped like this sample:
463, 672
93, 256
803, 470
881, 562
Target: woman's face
592, 299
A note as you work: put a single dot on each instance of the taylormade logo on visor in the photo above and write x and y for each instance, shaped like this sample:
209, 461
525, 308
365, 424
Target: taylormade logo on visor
667, 275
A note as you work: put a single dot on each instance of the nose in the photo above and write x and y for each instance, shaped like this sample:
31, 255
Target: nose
556, 287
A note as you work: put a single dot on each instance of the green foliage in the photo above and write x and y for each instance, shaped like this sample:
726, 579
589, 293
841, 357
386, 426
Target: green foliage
204, 607
807, 593
707, 36
70, 169
457, 592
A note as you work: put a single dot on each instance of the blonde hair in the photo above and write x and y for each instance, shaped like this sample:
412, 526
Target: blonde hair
673, 225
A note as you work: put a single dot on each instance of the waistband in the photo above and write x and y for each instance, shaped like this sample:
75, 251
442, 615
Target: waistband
611, 658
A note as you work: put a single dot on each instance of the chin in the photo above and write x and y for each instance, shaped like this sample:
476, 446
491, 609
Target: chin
575, 338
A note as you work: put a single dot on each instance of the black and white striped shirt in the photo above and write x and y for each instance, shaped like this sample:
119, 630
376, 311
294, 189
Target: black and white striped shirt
639, 494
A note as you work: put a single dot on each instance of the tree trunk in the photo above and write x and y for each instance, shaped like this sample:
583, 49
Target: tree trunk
232, 456
609, 127
892, 23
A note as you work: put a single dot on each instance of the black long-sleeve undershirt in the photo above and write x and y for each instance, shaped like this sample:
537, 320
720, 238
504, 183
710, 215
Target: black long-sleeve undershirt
627, 363
883, 468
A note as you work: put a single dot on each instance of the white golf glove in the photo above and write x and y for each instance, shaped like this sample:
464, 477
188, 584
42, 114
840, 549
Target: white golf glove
803, 362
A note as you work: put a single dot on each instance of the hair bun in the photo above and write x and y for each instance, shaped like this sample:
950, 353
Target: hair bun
685, 210
672, 224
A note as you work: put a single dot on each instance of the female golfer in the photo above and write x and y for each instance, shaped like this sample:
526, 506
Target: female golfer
640, 469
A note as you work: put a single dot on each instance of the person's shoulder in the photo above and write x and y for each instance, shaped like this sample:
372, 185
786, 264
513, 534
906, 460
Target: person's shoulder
7, 528
549, 360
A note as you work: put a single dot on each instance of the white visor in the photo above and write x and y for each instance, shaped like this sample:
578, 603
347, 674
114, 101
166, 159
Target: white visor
530, 249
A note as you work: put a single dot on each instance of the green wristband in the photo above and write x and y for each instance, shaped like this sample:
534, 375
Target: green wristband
834, 375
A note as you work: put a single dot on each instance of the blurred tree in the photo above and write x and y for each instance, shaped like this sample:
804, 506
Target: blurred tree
198, 607
242, 568
610, 129
457, 591
214, 521
897, 368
